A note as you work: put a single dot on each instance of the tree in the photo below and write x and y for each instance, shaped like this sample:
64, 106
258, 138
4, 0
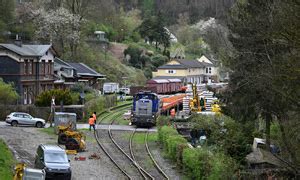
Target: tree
264, 66
8, 94
60, 26
153, 29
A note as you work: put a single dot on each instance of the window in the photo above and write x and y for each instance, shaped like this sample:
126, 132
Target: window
42, 67
29, 66
25, 66
208, 70
172, 71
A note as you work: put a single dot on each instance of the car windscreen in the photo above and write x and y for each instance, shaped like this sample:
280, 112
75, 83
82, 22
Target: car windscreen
56, 158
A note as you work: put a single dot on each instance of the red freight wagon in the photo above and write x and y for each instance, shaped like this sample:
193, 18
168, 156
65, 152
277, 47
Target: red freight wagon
175, 85
162, 85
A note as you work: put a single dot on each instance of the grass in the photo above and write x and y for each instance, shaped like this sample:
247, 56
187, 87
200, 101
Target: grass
139, 138
49, 130
6, 162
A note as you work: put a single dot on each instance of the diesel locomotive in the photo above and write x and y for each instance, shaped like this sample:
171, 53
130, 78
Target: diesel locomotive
145, 110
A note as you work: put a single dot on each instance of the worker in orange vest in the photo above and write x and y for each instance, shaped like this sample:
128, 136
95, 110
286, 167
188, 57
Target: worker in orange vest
92, 122
173, 112
95, 116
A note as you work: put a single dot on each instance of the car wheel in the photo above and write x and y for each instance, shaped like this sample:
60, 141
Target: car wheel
14, 123
39, 125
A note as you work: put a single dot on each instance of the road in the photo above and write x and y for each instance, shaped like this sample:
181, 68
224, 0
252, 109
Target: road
104, 126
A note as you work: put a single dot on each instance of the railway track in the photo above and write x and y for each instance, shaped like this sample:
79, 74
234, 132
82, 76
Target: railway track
158, 173
125, 162
118, 156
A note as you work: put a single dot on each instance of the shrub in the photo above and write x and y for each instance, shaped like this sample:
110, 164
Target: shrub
44, 99
8, 94
201, 163
162, 121
173, 143
164, 133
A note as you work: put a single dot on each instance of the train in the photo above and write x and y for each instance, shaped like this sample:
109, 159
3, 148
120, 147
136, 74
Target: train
146, 109
160, 86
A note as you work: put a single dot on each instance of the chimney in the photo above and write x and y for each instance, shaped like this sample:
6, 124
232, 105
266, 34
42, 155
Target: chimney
18, 41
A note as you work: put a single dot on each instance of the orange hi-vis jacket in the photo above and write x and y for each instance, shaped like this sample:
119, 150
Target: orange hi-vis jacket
95, 117
91, 121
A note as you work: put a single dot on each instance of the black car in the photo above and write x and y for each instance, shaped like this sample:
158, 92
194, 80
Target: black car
53, 159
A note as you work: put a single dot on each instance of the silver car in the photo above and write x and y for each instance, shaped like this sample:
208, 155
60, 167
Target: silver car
19, 118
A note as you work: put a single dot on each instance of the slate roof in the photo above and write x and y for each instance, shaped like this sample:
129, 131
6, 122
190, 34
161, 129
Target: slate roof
63, 63
185, 64
28, 50
84, 70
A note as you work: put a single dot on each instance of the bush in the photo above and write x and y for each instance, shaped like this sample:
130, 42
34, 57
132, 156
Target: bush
44, 99
164, 133
229, 135
8, 94
162, 121
201, 163
173, 143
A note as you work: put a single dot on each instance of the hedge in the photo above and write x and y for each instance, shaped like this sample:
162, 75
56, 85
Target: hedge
198, 163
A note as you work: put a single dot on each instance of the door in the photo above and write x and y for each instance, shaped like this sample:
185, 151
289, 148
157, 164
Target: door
27, 119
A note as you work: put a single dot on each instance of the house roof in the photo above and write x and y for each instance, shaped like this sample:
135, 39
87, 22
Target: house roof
185, 64
63, 63
190, 63
172, 66
84, 70
28, 50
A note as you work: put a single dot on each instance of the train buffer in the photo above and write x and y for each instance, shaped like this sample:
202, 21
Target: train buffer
172, 101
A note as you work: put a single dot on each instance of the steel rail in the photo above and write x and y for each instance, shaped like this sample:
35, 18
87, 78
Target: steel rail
110, 157
118, 146
142, 170
152, 158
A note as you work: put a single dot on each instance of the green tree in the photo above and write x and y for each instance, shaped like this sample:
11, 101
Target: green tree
264, 67
44, 99
8, 94
153, 29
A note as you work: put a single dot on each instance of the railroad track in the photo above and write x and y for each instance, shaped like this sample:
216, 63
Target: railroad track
122, 161
159, 173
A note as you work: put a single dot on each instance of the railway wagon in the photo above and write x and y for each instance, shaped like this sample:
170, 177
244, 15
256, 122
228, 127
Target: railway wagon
175, 85
162, 85
145, 110
136, 89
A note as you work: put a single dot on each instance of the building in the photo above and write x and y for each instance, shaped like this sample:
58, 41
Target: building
189, 71
28, 67
70, 73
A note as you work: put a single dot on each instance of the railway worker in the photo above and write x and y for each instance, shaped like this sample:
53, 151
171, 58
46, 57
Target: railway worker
95, 116
92, 122
173, 112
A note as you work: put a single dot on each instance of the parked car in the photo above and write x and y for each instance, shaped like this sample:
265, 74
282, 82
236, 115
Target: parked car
53, 159
20, 118
125, 90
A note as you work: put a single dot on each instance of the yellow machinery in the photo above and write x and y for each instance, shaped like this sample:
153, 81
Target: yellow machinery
73, 140
22, 172
195, 104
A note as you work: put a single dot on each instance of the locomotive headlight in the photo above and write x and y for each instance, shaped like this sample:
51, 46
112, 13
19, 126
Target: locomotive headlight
153, 116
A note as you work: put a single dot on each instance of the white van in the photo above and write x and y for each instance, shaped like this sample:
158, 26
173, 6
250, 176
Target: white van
111, 87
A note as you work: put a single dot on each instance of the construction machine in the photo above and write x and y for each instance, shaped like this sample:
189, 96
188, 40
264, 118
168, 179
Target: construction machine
73, 140
24, 173
196, 104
